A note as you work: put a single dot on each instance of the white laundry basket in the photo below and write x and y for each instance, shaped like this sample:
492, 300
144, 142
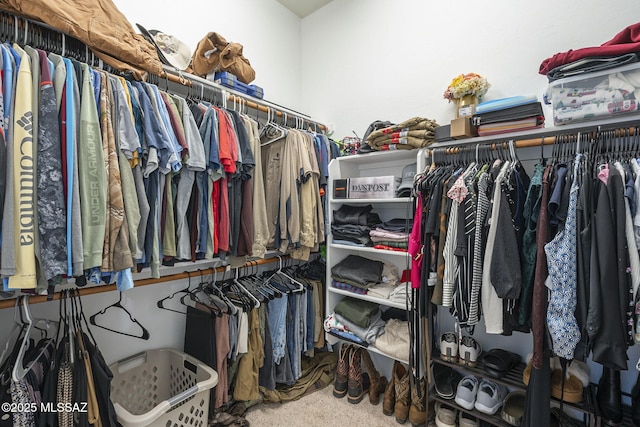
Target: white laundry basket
162, 388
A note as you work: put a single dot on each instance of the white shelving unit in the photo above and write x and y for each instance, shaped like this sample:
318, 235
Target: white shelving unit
382, 163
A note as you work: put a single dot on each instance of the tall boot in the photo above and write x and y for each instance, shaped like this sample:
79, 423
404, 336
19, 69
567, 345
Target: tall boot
418, 410
342, 371
401, 385
358, 383
609, 396
377, 382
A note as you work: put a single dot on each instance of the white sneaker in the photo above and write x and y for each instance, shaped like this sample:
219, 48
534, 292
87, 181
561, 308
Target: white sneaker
468, 351
449, 347
466, 392
490, 396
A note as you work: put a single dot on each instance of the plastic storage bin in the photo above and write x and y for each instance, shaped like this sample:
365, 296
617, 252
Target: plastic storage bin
226, 79
162, 387
595, 96
256, 91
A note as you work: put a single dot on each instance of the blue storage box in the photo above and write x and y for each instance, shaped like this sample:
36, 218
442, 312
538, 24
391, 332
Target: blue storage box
256, 91
226, 79
229, 80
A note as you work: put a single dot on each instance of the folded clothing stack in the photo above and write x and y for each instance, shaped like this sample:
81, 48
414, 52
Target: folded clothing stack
359, 275
395, 339
416, 132
351, 224
358, 271
401, 294
356, 320
392, 235
337, 323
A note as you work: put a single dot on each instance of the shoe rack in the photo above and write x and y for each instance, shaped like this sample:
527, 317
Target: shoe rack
513, 381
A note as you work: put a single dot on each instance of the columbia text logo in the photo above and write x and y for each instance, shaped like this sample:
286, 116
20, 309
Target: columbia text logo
26, 181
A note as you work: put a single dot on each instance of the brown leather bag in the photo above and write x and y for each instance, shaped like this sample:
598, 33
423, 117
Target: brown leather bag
214, 53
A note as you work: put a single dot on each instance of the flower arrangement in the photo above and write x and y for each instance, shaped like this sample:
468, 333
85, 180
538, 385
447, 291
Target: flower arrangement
467, 84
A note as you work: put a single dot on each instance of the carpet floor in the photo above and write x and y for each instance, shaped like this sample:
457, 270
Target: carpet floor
319, 409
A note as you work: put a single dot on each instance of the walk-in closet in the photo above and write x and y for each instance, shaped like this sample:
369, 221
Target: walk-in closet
319, 213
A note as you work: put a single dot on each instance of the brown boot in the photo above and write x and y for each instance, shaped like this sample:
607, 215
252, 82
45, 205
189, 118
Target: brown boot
401, 385
389, 400
358, 383
417, 411
342, 371
378, 383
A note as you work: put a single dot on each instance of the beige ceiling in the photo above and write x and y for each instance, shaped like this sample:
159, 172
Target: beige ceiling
303, 8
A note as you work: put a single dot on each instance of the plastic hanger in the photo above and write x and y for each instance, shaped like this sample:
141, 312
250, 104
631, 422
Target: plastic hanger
195, 294
19, 370
246, 291
17, 326
280, 132
299, 287
186, 290
118, 304
232, 308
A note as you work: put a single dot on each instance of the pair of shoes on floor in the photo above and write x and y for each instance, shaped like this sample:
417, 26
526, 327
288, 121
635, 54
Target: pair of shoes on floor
465, 352
446, 416
404, 401
351, 381
485, 396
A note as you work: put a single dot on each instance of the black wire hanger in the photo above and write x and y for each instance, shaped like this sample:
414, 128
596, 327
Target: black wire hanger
118, 304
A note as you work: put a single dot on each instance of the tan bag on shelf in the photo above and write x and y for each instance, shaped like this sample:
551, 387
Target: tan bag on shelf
214, 53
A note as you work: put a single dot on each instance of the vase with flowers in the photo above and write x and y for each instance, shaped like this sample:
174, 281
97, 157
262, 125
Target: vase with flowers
466, 90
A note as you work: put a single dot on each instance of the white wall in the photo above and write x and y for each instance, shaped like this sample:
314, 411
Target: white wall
364, 60
269, 32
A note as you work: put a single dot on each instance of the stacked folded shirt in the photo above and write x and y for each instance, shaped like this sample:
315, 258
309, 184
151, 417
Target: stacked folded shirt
401, 293
392, 235
358, 271
416, 132
358, 274
348, 287
381, 290
351, 225
368, 334
356, 320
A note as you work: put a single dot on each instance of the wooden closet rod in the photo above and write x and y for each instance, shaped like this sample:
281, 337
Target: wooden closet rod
34, 299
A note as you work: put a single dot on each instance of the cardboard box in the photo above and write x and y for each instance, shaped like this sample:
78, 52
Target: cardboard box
463, 128
378, 187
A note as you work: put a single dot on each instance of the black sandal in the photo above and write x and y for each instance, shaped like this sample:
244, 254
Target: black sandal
498, 362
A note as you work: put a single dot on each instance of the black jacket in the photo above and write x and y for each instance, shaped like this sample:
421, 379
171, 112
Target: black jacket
609, 281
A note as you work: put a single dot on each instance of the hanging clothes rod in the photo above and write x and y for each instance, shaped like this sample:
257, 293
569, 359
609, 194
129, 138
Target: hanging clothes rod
34, 299
190, 80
